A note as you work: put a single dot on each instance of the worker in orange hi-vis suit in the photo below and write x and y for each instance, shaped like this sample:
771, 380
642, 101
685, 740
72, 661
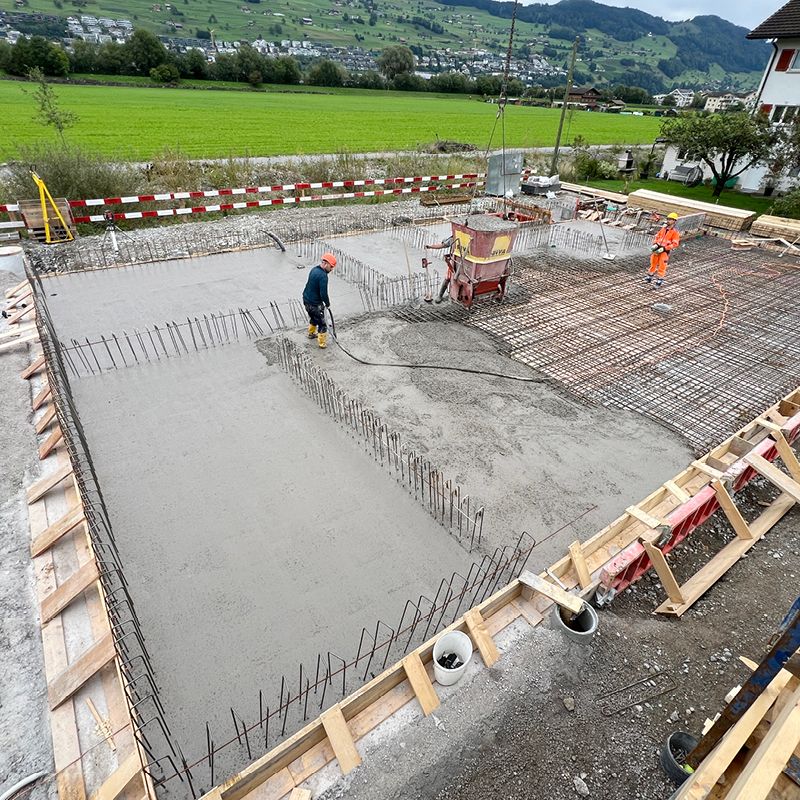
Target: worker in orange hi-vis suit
667, 239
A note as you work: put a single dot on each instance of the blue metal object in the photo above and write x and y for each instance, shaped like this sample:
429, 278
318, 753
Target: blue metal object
786, 642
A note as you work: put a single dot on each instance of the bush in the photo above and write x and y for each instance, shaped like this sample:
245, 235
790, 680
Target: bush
69, 171
788, 205
588, 167
165, 73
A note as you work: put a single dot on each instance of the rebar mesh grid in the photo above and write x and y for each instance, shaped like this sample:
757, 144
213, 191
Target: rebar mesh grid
722, 346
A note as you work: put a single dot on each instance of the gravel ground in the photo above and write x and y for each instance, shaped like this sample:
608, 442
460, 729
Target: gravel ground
533, 725
25, 746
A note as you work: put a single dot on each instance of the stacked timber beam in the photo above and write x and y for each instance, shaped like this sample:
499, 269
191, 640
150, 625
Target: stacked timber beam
94, 749
645, 530
589, 191
717, 216
777, 228
750, 762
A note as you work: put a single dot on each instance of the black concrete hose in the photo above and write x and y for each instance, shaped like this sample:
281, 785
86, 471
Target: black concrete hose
520, 378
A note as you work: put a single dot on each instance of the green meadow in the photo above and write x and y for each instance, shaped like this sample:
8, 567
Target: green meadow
136, 123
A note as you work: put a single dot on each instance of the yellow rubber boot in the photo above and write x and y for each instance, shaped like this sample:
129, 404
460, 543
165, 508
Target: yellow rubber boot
322, 338
312, 331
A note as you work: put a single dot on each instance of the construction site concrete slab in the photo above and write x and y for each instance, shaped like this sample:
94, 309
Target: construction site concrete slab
97, 302
255, 534
535, 457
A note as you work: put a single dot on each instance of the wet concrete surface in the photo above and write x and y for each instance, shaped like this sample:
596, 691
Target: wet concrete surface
534, 456
95, 302
255, 533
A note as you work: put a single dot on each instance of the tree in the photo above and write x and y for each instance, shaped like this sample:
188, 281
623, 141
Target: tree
668, 101
144, 51
48, 111
326, 73
194, 65
83, 58
728, 143
698, 101
396, 60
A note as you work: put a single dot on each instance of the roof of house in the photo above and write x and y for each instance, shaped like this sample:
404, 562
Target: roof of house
783, 23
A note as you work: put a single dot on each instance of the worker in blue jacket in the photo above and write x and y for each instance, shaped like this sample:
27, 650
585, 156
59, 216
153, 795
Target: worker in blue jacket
316, 300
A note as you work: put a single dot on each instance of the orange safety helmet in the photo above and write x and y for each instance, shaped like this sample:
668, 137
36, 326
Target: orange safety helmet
330, 258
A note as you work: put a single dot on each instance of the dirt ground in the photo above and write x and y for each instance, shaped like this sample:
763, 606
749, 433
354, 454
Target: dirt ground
533, 727
535, 457
25, 746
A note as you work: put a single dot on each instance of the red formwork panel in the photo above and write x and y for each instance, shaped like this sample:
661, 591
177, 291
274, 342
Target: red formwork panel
630, 564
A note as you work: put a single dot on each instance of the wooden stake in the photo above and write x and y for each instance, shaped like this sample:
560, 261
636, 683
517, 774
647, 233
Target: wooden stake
733, 514
103, 725
665, 575
420, 683
555, 593
579, 562
483, 641
341, 739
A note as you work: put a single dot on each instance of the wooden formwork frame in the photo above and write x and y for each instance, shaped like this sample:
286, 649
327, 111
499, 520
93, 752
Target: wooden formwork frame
65, 581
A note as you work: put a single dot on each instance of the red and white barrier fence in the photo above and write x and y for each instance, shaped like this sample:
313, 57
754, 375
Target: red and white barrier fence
286, 187
275, 201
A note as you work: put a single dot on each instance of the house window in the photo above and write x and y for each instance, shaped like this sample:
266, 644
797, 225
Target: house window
777, 114
785, 59
789, 114
795, 64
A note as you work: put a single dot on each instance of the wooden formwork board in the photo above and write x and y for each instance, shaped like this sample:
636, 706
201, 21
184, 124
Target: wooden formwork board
64, 576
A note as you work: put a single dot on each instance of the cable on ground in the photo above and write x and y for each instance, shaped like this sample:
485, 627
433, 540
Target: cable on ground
487, 373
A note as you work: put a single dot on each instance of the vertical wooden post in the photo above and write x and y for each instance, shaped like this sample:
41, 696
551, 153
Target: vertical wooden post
579, 562
665, 575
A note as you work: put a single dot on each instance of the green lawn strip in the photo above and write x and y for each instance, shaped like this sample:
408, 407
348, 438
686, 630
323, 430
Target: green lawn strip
749, 202
125, 123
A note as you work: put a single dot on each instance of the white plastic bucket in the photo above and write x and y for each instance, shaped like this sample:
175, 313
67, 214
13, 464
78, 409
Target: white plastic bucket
11, 260
453, 642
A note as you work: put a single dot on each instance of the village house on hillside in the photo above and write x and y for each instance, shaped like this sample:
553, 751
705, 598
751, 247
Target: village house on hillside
778, 95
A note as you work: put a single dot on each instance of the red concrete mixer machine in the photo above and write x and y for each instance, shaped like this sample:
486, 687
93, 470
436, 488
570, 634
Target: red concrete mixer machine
480, 262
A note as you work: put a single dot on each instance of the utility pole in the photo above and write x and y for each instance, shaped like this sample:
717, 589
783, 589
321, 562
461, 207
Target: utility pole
554, 164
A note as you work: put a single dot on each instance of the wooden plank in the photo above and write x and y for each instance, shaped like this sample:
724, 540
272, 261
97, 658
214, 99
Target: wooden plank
27, 338
33, 368
693, 589
421, 684
300, 794
771, 515
45, 484
103, 725
43, 395
762, 770
18, 288
11, 334
54, 532
480, 636
733, 514
555, 593
115, 784
340, 738
76, 584
717, 761
706, 470
18, 315
579, 562
774, 475
664, 572
786, 453
77, 673
647, 519
54, 438
46, 418
676, 491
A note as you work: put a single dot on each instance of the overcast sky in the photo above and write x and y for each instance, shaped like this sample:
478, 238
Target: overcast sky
747, 13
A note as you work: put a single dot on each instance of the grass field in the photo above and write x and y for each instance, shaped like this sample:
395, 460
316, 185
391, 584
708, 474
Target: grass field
136, 123
734, 199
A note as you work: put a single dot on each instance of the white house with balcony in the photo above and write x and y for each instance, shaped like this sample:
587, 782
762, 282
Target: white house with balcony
778, 95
